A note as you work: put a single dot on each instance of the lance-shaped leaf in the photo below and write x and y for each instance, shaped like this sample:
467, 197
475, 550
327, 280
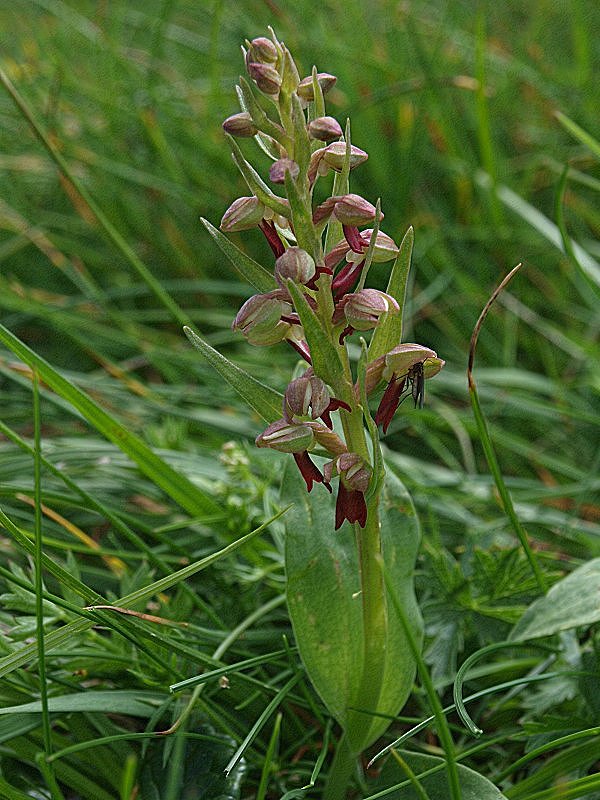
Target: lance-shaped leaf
260, 119
306, 236
250, 270
324, 601
302, 149
173, 483
256, 184
388, 333
265, 401
325, 359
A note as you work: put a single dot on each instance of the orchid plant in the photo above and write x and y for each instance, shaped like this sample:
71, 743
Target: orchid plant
313, 298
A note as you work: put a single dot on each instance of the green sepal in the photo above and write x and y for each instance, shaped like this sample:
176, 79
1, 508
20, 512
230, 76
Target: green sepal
176, 485
263, 122
265, 401
325, 359
302, 150
255, 183
323, 597
306, 236
319, 101
250, 270
388, 333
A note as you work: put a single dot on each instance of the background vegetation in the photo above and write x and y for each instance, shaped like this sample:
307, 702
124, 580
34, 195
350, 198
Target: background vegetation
467, 112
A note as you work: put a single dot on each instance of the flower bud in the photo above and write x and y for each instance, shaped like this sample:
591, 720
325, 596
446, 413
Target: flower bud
335, 155
363, 309
265, 76
385, 247
324, 129
286, 437
306, 395
240, 125
280, 167
261, 51
296, 265
305, 88
352, 469
243, 214
259, 319
354, 210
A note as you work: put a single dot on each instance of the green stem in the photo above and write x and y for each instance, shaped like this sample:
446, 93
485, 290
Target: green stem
338, 777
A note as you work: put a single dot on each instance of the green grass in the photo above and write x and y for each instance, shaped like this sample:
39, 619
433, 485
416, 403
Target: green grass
482, 133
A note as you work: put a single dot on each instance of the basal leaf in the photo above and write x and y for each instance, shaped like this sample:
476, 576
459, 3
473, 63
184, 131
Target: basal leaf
324, 599
250, 270
573, 601
473, 785
265, 401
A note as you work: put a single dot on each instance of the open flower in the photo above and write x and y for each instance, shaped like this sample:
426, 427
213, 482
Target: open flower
406, 364
355, 476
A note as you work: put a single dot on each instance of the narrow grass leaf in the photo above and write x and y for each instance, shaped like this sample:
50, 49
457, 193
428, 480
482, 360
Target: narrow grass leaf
175, 485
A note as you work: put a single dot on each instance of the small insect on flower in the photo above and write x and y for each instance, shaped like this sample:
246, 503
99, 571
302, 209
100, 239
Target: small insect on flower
416, 379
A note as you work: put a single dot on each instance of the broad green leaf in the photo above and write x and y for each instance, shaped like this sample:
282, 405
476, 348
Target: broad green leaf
325, 605
250, 270
473, 785
264, 400
571, 602
325, 359
134, 703
388, 333
175, 485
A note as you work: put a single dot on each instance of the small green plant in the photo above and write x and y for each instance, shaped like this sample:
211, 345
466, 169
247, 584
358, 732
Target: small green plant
357, 646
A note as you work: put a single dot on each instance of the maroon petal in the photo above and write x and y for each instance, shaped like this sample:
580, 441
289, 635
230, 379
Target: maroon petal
353, 238
302, 349
346, 278
309, 471
350, 505
389, 403
272, 237
346, 332
334, 404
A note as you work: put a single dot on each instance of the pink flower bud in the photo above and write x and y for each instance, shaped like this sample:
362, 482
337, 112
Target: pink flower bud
240, 125
324, 129
335, 155
265, 76
354, 210
363, 309
296, 265
280, 167
286, 437
259, 319
243, 214
262, 51
306, 395
305, 87
385, 247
